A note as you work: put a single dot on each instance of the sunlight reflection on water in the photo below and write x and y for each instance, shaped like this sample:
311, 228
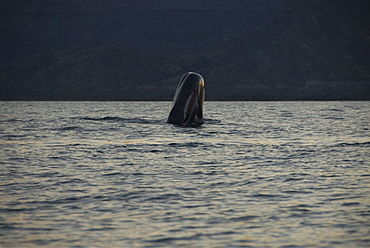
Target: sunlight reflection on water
260, 174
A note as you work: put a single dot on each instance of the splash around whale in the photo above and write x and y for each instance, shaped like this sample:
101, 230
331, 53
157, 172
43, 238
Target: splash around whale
187, 104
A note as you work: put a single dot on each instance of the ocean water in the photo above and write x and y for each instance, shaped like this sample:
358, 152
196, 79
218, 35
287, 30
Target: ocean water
114, 174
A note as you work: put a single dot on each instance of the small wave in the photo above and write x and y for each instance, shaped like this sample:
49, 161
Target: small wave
293, 179
334, 118
164, 197
112, 174
297, 192
211, 121
350, 204
120, 119
15, 210
173, 239
332, 110
286, 114
356, 144
71, 128
107, 118
13, 136
242, 218
187, 144
11, 120
268, 196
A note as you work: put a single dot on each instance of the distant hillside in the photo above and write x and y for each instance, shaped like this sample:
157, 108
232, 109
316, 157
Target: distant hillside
102, 73
314, 50
29, 27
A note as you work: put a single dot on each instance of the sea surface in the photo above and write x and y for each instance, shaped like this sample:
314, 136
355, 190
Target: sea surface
114, 174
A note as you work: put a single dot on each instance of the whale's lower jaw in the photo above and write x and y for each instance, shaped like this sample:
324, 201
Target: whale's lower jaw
190, 105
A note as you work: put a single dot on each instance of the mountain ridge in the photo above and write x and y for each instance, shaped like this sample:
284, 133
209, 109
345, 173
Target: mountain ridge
314, 50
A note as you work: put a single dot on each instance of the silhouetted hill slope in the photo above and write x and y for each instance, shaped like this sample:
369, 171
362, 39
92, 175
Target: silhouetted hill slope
28, 27
102, 73
314, 50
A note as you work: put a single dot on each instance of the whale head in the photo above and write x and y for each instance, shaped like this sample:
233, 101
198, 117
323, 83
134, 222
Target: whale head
187, 105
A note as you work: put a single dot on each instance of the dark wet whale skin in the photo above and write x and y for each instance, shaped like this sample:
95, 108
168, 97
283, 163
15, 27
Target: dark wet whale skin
187, 105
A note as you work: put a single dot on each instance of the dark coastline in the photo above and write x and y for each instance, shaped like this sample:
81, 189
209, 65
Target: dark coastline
288, 51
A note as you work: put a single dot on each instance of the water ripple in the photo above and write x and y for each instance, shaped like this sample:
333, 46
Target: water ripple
114, 174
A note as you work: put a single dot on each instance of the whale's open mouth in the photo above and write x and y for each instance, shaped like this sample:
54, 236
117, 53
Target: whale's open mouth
189, 106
